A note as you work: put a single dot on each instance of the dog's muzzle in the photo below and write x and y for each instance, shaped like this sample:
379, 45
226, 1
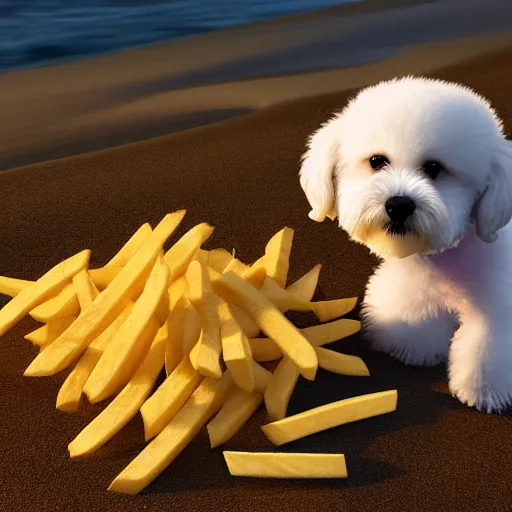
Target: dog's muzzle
399, 209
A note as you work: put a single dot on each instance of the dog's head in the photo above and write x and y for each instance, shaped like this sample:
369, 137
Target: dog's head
408, 164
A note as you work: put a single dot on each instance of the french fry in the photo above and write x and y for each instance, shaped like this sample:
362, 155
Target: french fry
61, 305
11, 286
177, 289
260, 262
280, 388
264, 349
261, 377
180, 323
277, 256
330, 415
327, 310
163, 405
206, 400
255, 276
107, 306
237, 355
324, 310
202, 256
218, 259
176, 325
125, 405
50, 332
342, 364
286, 465
68, 398
192, 329
41, 290
123, 256
85, 289
236, 266
182, 252
205, 356
304, 288
103, 276
235, 290
131, 343
239, 407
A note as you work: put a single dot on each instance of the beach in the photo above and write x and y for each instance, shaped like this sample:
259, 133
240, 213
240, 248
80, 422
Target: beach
138, 94
221, 135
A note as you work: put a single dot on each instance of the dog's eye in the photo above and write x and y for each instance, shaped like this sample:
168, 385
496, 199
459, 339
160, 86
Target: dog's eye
432, 169
378, 162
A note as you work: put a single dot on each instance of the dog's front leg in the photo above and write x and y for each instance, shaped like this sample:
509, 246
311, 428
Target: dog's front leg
480, 366
404, 314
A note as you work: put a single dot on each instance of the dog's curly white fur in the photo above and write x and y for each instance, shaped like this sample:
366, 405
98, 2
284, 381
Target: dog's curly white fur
444, 289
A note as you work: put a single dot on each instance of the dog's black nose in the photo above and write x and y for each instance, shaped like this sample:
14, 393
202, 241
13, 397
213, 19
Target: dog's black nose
399, 208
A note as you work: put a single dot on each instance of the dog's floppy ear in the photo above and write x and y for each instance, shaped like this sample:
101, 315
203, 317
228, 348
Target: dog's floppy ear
316, 173
494, 208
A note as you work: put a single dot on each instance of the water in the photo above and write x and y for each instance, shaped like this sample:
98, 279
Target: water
40, 32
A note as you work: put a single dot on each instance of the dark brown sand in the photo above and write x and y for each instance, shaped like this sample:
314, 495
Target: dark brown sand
433, 454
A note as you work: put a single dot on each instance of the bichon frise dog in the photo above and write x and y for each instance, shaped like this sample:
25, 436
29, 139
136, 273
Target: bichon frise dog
420, 172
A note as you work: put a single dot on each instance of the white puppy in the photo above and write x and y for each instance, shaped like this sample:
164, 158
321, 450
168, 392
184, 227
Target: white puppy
420, 172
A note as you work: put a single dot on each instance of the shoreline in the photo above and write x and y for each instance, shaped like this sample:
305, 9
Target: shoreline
164, 88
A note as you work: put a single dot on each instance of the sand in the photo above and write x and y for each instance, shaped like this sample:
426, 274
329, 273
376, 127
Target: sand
433, 454
138, 94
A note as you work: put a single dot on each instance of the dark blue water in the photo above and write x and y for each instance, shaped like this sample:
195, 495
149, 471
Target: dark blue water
40, 32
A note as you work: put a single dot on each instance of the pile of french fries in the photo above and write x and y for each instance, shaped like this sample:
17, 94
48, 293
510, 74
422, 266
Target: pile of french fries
200, 314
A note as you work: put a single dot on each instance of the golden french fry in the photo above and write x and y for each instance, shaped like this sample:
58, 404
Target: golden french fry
304, 288
236, 266
205, 356
65, 303
107, 306
330, 415
324, 310
61, 305
85, 289
286, 465
177, 289
242, 318
161, 407
192, 329
131, 343
277, 256
261, 377
183, 251
68, 398
41, 290
103, 276
239, 407
206, 400
11, 286
237, 355
126, 252
174, 345
125, 405
264, 349
327, 310
49, 332
235, 290
260, 262
342, 364
280, 388
202, 256
218, 259
256, 276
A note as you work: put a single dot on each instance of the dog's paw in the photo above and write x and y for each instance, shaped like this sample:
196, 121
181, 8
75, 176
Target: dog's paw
485, 399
